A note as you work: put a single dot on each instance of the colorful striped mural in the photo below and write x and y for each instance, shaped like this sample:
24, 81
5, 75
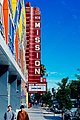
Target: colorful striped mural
12, 53
14, 28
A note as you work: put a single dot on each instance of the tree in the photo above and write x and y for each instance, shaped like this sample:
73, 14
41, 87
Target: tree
53, 90
74, 89
78, 85
37, 97
78, 75
42, 70
63, 94
46, 98
53, 94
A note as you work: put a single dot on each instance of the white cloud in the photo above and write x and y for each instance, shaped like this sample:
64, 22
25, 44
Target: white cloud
52, 73
56, 73
54, 81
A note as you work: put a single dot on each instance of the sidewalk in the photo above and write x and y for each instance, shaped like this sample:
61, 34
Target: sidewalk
35, 113
38, 113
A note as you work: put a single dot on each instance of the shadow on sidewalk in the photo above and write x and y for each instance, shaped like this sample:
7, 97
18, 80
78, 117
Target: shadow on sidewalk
52, 118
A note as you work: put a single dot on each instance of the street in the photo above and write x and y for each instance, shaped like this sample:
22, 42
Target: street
37, 113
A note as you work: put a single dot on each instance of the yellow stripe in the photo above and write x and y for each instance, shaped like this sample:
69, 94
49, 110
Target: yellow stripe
14, 4
24, 14
20, 26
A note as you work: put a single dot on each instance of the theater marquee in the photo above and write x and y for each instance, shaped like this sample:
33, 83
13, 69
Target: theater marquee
37, 88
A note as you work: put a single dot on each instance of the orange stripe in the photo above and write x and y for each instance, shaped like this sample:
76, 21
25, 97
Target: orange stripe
21, 60
16, 46
5, 14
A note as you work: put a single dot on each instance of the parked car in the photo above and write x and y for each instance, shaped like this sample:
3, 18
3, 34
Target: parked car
66, 115
71, 114
78, 112
56, 109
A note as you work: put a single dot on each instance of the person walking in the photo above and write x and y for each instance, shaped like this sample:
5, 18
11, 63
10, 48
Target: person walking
9, 115
22, 114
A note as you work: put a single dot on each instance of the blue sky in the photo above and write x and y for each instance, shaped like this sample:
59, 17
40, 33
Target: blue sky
60, 38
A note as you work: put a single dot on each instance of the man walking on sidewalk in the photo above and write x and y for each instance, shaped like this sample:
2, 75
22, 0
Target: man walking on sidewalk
9, 115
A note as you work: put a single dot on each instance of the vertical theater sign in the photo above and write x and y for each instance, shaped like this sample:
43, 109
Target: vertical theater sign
37, 45
33, 50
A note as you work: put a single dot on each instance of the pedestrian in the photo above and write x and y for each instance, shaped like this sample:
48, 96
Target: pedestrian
22, 114
9, 114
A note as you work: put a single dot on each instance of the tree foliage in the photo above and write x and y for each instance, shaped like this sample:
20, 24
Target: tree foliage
75, 89
42, 70
75, 86
63, 94
68, 91
47, 98
37, 97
